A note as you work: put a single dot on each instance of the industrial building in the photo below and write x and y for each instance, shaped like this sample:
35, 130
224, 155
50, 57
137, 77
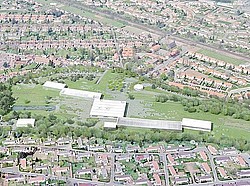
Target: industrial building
80, 93
108, 108
54, 85
186, 123
147, 123
110, 125
194, 124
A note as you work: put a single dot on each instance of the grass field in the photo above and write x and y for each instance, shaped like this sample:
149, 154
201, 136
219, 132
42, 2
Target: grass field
221, 57
36, 94
223, 125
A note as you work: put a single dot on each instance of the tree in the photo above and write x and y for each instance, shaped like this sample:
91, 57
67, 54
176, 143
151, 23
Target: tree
131, 96
6, 99
153, 86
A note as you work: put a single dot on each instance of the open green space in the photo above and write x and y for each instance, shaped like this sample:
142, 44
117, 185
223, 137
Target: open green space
222, 125
37, 95
221, 57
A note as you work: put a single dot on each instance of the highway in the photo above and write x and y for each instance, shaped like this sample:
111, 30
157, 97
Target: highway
148, 28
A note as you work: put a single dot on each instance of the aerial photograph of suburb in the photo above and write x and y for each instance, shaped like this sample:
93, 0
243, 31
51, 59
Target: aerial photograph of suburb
125, 92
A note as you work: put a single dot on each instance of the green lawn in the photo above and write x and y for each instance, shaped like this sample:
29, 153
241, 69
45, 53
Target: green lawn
102, 87
222, 125
36, 94
221, 57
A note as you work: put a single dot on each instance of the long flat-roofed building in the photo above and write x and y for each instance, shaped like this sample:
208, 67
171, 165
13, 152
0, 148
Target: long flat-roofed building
108, 108
147, 123
54, 85
196, 124
80, 93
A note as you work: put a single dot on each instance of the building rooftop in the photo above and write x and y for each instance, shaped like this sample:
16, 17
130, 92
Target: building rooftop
196, 124
147, 123
108, 108
55, 85
80, 93
110, 125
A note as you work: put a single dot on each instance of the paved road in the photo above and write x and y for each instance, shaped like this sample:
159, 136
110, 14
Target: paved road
164, 159
103, 74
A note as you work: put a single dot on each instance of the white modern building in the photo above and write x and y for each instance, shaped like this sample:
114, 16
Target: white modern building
80, 93
108, 108
54, 85
25, 122
194, 124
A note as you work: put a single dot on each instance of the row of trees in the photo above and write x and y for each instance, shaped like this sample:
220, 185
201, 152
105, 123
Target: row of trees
51, 126
213, 106
6, 98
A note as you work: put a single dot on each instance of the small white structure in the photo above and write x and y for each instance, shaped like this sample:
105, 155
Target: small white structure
138, 87
80, 93
25, 122
111, 125
108, 108
55, 85
196, 124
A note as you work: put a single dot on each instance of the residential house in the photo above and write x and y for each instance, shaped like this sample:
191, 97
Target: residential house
205, 178
120, 157
222, 160
244, 173
229, 151
155, 166
185, 154
142, 181
212, 150
206, 167
130, 148
222, 172
83, 172
203, 155
101, 159
181, 181
157, 179
141, 157
118, 168
172, 171
171, 160
16, 178
36, 180
126, 178
241, 161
